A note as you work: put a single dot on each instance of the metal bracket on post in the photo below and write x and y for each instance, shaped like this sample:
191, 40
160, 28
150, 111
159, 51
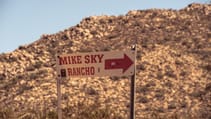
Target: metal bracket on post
132, 88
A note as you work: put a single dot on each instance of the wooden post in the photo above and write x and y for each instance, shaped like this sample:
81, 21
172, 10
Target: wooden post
59, 110
132, 88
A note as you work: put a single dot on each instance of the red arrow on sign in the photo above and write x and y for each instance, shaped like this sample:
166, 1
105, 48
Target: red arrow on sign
123, 63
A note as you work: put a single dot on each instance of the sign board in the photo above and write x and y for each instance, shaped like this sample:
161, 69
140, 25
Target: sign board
112, 63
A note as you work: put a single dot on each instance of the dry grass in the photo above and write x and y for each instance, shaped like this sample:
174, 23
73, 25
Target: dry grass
84, 112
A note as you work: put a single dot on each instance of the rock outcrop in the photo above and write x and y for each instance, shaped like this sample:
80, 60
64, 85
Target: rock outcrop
173, 65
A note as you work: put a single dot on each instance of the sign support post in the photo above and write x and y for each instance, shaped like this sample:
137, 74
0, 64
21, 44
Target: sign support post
115, 63
59, 110
132, 88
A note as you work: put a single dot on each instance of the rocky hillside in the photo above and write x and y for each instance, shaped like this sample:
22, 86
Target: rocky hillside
173, 66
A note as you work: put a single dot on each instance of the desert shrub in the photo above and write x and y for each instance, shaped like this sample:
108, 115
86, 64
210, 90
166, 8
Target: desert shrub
2, 76
5, 112
115, 78
143, 99
21, 47
30, 68
207, 67
33, 76
38, 64
3, 57
42, 72
52, 115
143, 89
91, 91
208, 87
81, 111
23, 87
95, 112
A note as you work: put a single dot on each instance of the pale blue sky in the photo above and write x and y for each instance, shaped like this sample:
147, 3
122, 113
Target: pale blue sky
24, 21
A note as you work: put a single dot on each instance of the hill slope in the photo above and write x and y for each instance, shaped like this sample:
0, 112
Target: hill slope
173, 66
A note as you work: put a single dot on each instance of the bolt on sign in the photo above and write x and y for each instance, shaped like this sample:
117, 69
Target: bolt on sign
112, 63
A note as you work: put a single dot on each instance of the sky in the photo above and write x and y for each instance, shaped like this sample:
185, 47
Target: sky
24, 21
